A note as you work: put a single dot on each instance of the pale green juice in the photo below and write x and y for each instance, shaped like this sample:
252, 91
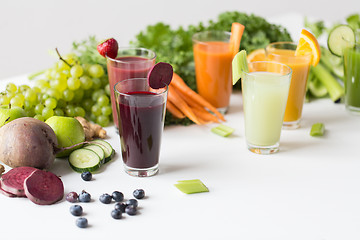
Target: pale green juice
264, 98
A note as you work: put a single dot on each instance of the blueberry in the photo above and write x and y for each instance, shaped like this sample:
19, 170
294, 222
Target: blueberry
120, 206
116, 214
130, 210
105, 198
117, 196
86, 176
76, 210
72, 197
132, 202
84, 196
139, 194
82, 222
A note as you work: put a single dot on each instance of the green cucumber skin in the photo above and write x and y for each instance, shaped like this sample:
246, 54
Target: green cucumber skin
89, 146
333, 45
106, 146
84, 169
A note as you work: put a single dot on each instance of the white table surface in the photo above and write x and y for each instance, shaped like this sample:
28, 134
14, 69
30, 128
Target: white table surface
309, 190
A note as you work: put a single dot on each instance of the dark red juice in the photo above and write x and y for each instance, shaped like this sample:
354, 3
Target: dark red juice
140, 128
124, 68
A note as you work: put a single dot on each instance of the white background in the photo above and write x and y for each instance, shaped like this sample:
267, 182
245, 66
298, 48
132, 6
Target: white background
28, 29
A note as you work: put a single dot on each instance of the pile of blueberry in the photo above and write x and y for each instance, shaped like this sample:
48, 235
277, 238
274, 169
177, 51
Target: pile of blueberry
129, 207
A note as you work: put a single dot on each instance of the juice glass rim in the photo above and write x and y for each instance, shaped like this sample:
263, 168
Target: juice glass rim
289, 69
270, 46
197, 34
151, 53
164, 92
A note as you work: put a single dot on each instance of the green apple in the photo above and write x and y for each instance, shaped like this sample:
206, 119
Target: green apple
7, 114
68, 131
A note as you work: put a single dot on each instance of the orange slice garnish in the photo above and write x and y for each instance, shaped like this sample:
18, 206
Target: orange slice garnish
308, 43
257, 55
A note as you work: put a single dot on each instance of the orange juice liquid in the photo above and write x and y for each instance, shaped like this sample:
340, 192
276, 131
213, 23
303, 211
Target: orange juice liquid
213, 72
300, 66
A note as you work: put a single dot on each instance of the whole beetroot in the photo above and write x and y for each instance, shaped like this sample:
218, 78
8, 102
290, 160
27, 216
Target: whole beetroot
27, 142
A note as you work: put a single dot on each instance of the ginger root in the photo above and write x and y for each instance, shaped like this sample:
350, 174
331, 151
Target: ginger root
2, 169
91, 130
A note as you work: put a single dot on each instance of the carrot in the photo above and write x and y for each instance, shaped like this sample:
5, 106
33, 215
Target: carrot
174, 97
237, 31
181, 86
174, 110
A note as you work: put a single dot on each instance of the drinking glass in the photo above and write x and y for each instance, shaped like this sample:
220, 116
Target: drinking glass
265, 90
141, 113
352, 79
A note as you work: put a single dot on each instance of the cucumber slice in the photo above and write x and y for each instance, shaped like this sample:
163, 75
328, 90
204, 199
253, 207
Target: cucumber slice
108, 149
98, 149
82, 160
341, 37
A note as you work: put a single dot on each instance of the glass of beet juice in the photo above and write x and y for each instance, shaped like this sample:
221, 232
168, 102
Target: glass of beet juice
129, 63
141, 114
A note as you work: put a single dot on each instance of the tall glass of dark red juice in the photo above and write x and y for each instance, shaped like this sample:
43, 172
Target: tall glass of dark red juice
141, 113
129, 63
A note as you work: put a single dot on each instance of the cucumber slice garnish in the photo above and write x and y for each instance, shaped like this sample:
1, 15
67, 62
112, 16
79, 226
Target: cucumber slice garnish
98, 149
341, 37
82, 160
108, 149
239, 66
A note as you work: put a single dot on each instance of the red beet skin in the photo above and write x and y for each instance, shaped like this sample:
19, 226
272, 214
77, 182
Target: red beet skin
13, 181
43, 188
2, 191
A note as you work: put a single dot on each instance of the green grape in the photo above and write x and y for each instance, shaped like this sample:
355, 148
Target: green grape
103, 120
93, 117
79, 94
58, 84
39, 108
30, 95
79, 111
47, 74
86, 82
28, 105
17, 101
47, 112
68, 95
61, 103
10, 95
54, 93
106, 110
96, 71
104, 80
87, 93
73, 83
54, 72
11, 88
96, 110
96, 94
87, 104
44, 97
23, 88
30, 112
85, 67
71, 58
4, 99
103, 100
107, 89
21, 96
42, 84
39, 117
36, 89
76, 71
61, 66
70, 111
50, 103
96, 83
58, 112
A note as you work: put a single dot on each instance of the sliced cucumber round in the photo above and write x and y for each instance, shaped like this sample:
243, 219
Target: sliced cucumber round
341, 37
108, 149
98, 149
82, 160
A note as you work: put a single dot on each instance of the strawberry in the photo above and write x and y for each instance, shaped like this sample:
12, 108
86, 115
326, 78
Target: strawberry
108, 47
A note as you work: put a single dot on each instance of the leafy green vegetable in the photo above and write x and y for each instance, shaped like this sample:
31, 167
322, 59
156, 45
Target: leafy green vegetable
317, 28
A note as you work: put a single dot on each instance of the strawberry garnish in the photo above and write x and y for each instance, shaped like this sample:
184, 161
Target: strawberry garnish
108, 47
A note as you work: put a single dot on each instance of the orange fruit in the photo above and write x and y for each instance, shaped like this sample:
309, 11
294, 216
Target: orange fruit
257, 55
308, 43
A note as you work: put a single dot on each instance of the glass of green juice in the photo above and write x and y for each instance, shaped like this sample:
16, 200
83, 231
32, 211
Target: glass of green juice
265, 89
352, 79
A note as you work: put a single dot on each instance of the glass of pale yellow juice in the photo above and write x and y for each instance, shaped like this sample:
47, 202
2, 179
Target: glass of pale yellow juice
284, 52
265, 91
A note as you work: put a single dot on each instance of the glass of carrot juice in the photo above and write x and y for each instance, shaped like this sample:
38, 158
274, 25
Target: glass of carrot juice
284, 52
213, 57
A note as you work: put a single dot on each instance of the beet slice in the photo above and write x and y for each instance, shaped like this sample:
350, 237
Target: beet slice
43, 188
2, 191
160, 75
13, 181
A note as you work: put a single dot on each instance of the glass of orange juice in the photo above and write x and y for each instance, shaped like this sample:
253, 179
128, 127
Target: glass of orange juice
284, 52
213, 57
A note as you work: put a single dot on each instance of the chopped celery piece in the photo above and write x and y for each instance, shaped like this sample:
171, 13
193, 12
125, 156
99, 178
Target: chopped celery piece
317, 129
223, 130
191, 186
239, 66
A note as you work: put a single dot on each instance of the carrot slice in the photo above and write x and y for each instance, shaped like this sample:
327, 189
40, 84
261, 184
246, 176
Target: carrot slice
174, 110
181, 86
174, 97
237, 31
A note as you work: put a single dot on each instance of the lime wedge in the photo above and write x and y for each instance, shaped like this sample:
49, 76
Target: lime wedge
239, 66
341, 37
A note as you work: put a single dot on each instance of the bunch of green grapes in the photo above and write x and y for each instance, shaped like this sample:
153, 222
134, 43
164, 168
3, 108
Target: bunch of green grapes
69, 88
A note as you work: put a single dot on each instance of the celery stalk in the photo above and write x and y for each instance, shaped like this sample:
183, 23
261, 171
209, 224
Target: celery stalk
317, 129
336, 91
